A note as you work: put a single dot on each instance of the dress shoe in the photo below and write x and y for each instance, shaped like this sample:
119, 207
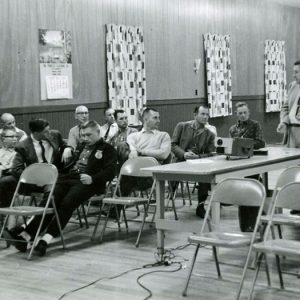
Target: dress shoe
18, 241
200, 211
295, 212
41, 247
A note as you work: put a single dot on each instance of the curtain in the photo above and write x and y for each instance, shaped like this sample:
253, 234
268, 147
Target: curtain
275, 75
218, 72
126, 73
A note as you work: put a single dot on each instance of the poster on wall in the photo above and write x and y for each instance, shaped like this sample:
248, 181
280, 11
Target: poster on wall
55, 64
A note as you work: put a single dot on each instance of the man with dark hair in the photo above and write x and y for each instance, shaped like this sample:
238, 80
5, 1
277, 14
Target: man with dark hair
193, 140
247, 128
92, 166
8, 120
119, 140
43, 145
290, 111
110, 128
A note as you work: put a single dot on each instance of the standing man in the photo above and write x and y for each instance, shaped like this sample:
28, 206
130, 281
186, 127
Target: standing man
247, 128
192, 140
290, 112
110, 128
8, 120
93, 165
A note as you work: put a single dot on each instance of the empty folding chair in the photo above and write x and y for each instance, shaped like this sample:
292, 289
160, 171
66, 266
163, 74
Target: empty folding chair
132, 167
39, 174
287, 197
232, 191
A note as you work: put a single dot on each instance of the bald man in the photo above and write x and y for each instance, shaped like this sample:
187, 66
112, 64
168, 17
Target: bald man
7, 120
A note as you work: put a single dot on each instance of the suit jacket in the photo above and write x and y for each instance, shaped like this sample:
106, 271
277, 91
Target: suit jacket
101, 164
26, 154
183, 135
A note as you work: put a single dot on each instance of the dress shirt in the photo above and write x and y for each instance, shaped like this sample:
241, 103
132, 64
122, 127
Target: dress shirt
121, 136
248, 129
113, 130
21, 135
38, 150
6, 158
74, 136
152, 143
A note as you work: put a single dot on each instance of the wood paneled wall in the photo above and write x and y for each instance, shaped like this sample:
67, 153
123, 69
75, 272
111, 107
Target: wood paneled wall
173, 40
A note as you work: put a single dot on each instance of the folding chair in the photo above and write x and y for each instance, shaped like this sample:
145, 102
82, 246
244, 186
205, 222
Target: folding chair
232, 191
289, 175
39, 174
132, 167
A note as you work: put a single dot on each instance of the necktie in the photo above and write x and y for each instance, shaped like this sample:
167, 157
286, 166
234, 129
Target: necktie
107, 132
43, 152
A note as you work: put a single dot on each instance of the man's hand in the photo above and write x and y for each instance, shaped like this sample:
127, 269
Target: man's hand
190, 155
86, 179
67, 155
133, 154
282, 128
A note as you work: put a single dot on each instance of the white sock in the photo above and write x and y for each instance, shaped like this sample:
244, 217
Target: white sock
25, 236
47, 238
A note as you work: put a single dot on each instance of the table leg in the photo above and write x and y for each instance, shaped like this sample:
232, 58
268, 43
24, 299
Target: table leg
160, 214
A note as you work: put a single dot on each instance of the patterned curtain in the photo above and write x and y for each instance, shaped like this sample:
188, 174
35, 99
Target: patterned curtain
275, 75
218, 70
126, 71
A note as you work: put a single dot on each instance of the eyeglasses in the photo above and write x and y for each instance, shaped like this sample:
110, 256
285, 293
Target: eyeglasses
82, 113
10, 136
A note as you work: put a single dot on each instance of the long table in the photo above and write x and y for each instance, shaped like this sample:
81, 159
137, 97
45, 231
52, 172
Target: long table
213, 170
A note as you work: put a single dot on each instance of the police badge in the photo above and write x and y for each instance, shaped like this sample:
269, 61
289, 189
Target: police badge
98, 154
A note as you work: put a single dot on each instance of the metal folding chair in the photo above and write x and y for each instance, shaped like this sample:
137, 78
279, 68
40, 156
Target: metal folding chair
232, 191
132, 167
287, 197
43, 175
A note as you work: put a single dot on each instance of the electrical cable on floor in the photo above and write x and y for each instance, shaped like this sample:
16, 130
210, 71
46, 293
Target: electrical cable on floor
168, 256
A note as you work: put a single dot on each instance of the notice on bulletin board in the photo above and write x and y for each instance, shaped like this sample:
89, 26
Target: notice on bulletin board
55, 64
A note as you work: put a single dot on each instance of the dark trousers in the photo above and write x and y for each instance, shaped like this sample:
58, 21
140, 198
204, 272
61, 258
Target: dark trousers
7, 188
248, 214
68, 195
130, 183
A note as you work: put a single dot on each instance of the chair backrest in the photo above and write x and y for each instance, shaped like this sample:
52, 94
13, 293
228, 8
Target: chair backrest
289, 196
39, 174
132, 167
289, 175
239, 191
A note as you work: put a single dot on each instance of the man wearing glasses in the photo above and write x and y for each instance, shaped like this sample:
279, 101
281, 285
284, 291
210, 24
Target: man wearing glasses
7, 152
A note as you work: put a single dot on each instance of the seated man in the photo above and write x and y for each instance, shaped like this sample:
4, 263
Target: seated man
119, 140
192, 140
8, 120
147, 142
43, 145
7, 152
247, 128
110, 128
93, 165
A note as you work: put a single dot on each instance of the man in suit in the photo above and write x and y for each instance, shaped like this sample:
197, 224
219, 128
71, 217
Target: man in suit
193, 140
93, 164
43, 145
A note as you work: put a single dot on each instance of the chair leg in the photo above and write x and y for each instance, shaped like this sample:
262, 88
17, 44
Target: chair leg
97, 223
137, 210
260, 257
84, 216
118, 217
59, 225
189, 192
79, 217
105, 224
279, 231
217, 262
279, 272
142, 225
268, 272
174, 209
182, 192
125, 218
184, 293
